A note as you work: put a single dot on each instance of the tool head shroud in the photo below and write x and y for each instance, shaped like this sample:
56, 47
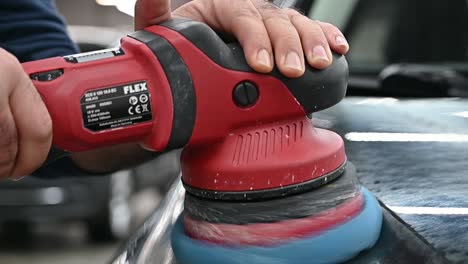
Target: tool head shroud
236, 151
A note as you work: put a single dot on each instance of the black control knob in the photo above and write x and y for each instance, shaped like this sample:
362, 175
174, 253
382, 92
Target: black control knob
245, 94
47, 76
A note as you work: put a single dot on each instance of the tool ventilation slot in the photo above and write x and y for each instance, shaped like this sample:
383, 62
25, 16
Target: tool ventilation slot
263, 143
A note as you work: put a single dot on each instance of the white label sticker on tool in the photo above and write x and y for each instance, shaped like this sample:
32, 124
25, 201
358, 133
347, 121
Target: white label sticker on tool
117, 106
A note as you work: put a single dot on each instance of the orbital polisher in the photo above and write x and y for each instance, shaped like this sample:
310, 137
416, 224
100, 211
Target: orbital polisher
263, 184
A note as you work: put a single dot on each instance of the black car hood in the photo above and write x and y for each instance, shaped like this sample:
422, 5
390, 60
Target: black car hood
410, 153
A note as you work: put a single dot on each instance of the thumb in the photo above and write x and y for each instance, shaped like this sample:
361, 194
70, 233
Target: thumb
150, 12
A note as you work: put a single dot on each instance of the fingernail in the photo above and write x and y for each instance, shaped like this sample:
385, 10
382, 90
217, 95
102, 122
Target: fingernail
263, 57
341, 41
319, 53
293, 61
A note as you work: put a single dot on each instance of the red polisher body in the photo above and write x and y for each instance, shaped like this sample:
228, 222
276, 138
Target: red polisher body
251, 153
179, 85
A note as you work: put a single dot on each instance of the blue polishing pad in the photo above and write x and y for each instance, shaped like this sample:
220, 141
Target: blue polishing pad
332, 246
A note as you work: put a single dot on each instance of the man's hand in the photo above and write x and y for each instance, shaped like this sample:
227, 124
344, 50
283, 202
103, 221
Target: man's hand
25, 124
267, 33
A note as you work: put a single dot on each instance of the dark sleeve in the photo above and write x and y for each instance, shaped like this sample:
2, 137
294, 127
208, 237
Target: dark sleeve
32, 30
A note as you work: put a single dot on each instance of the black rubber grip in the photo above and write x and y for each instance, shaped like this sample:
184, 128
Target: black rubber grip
180, 81
315, 90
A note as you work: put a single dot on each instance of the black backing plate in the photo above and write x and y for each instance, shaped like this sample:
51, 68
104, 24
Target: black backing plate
327, 197
259, 195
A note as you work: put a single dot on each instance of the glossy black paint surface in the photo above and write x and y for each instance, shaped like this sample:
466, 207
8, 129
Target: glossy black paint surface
413, 174
399, 243
426, 174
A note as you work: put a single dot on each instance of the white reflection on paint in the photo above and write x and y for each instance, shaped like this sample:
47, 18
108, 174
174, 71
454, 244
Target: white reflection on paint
323, 123
377, 101
405, 137
429, 210
461, 114
51, 195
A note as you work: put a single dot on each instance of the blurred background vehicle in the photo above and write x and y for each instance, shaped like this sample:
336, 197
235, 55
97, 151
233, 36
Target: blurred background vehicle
82, 211
424, 41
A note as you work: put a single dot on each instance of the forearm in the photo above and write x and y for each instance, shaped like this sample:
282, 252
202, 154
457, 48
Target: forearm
112, 158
